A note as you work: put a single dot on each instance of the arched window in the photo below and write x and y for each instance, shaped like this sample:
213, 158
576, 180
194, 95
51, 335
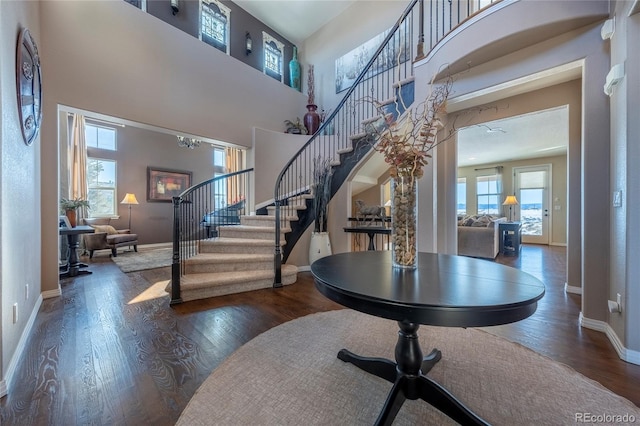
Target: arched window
273, 52
214, 24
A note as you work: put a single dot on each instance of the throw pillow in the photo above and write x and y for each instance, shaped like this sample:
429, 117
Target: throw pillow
482, 221
110, 230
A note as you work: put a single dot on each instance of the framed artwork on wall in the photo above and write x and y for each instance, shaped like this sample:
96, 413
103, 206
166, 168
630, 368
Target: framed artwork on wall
163, 184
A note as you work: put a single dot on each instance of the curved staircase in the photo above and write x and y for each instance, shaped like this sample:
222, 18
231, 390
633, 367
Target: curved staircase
239, 259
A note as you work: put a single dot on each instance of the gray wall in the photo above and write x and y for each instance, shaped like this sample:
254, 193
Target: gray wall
110, 58
558, 223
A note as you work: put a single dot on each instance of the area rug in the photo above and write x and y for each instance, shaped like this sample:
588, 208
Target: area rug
290, 375
131, 261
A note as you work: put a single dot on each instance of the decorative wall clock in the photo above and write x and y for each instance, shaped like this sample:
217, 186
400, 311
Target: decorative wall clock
29, 85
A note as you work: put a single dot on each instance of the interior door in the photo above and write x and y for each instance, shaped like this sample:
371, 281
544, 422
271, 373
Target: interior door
532, 190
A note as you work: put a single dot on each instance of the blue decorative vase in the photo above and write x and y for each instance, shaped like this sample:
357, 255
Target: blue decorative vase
294, 71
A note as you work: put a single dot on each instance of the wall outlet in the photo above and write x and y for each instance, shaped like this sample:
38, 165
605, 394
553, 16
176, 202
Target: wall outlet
15, 312
617, 199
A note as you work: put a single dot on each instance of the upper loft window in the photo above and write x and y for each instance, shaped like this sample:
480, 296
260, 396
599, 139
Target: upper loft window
273, 52
140, 4
100, 136
214, 24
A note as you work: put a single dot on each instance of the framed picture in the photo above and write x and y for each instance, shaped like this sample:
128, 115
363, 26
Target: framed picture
63, 222
163, 184
349, 66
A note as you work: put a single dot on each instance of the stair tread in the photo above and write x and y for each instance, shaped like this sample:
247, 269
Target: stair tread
290, 218
228, 257
251, 228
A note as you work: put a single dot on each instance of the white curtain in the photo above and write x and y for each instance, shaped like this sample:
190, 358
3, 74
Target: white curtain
77, 152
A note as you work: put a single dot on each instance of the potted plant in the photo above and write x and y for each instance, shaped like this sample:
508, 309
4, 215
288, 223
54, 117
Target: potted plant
320, 245
69, 207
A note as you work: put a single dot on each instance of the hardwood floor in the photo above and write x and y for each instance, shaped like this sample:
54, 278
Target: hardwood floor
110, 350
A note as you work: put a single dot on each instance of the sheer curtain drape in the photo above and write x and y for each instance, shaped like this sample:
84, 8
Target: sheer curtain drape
77, 152
499, 185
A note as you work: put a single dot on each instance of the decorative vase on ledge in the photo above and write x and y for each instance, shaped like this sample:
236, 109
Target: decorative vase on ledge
312, 119
294, 71
404, 222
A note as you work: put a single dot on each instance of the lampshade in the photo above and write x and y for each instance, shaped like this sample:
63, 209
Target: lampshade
510, 201
129, 199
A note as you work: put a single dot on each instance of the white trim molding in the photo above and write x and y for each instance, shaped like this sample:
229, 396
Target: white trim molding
625, 354
52, 293
572, 289
13, 364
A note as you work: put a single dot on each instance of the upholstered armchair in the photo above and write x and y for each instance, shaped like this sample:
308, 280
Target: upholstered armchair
107, 237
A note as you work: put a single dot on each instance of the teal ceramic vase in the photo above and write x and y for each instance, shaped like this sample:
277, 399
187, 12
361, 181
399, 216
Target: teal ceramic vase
294, 71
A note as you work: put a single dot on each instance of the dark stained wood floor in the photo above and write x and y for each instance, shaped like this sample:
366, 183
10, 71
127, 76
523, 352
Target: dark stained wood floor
108, 352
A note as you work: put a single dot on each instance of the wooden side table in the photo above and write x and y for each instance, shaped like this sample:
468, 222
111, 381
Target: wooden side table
510, 236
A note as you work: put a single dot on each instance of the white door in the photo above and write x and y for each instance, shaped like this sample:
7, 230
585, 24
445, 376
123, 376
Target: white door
531, 186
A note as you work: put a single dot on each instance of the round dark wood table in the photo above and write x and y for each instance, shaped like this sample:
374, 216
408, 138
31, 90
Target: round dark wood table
444, 290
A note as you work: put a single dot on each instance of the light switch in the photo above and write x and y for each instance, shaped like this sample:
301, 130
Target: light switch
617, 198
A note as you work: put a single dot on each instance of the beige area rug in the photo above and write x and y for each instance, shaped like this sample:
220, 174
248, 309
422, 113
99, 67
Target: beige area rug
290, 375
145, 258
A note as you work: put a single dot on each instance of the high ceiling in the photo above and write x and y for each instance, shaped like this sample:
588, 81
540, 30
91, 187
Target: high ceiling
295, 20
537, 134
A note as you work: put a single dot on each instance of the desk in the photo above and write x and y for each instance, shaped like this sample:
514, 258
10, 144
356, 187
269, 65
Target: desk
444, 290
73, 238
371, 232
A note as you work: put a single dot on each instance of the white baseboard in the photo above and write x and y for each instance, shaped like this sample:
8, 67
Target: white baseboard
52, 293
13, 364
572, 289
306, 268
625, 354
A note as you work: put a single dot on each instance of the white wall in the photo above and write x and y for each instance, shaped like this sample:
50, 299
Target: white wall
625, 176
19, 194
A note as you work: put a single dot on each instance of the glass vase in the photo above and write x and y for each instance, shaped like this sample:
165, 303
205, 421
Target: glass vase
404, 222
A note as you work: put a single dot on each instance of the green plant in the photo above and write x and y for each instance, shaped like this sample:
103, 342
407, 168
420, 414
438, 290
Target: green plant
295, 126
67, 204
321, 192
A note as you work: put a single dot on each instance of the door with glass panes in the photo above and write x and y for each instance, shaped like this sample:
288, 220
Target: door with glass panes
532, 190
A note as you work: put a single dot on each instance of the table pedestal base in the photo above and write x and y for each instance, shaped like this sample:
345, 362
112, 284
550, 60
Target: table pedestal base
408, 375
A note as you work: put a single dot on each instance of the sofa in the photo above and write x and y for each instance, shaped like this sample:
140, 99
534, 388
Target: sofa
106, 237
478, 236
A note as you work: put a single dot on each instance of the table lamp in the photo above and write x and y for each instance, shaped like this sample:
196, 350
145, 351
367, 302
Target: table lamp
129, 199
510, 201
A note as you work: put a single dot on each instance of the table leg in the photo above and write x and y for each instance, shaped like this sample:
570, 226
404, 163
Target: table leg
372, 245
409, 381
74, 265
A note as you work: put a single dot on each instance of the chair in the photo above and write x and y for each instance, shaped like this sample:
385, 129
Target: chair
107, 237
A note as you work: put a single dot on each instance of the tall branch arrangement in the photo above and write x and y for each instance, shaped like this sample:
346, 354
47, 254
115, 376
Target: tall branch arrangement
406, 143
311, 97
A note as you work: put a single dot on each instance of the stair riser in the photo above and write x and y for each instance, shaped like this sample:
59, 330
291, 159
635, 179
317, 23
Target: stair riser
250, 221
256, 235
214, 290
223, 248
285, 210
201, 268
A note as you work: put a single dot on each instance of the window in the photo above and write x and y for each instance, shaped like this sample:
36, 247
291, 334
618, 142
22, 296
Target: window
461, 196
214, 24
488, 194
272, 49
140, 4
100, 137
101, 179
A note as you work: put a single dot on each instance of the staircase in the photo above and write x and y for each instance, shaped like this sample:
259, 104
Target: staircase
240, 258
